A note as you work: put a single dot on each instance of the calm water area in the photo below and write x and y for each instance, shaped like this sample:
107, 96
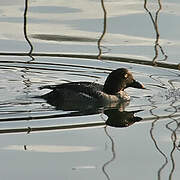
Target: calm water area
46, 42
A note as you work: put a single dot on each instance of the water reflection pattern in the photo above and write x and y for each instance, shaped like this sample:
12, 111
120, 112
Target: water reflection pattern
172, 125
161, 112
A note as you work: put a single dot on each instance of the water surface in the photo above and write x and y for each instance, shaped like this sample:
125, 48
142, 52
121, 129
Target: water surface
51, 42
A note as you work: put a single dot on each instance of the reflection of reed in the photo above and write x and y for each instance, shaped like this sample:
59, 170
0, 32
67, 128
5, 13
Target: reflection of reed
155, 25
27, 81
113, 154
173, 137
25, 30
156, 144
51, 128
53, 116
111, 58
104, 30
60, 127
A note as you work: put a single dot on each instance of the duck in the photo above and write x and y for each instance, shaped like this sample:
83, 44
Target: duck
84, 93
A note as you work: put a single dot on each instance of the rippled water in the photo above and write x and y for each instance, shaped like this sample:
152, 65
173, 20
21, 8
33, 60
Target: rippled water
52, 42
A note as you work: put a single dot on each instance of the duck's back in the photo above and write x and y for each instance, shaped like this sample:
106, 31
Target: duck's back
74, 91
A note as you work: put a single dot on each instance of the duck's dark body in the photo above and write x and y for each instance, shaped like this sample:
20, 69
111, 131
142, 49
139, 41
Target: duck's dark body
85, 93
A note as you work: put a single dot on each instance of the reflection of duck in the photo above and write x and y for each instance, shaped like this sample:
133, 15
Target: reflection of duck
90, 93
117, 118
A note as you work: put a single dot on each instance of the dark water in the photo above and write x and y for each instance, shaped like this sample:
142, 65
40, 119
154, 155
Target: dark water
51, 42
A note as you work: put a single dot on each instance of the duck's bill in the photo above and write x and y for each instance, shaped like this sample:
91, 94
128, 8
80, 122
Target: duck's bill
136, 84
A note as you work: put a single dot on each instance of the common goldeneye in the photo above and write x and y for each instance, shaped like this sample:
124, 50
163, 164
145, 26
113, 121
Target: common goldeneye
90, 92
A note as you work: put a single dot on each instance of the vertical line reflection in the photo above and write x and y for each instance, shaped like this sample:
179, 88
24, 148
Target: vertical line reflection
155, 141
25, 30
113, 154
104, 30
173, 127
174, 139
156, 145
173, 136
26, 80
155, 25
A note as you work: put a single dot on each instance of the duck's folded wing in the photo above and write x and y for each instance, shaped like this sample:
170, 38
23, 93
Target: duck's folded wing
86, 88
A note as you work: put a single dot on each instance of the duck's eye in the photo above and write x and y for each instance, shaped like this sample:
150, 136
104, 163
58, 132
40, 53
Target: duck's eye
126, 75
